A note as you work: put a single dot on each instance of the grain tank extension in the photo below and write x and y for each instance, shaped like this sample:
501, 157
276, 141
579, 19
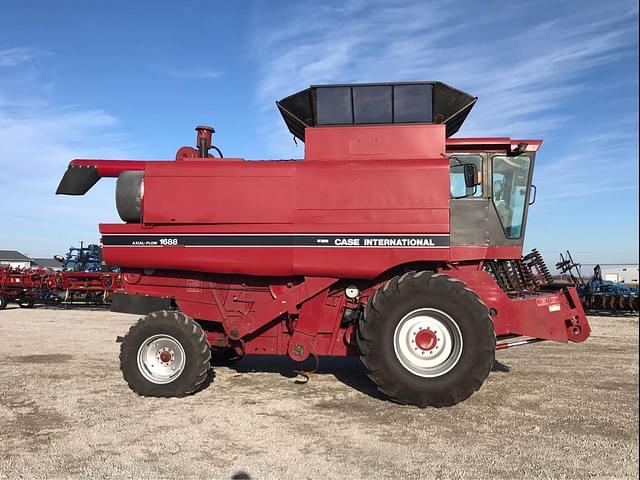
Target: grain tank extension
389, 240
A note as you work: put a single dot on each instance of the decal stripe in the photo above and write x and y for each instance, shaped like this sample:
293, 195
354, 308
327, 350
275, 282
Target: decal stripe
278, 240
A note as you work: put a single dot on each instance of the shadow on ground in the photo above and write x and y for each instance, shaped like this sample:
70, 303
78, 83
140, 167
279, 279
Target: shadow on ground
94, 307
348, 370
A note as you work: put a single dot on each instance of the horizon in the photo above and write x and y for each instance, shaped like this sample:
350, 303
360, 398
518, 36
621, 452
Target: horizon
132, 83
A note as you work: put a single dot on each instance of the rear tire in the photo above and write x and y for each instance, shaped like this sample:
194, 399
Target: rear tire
3, 302
426, 340
165, 354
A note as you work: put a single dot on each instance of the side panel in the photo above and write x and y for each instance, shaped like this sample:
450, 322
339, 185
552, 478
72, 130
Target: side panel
374, 142
335, 219
380, 198
218, 192
374, 190
342, 256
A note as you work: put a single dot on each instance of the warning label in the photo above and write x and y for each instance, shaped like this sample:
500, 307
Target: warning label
542, 302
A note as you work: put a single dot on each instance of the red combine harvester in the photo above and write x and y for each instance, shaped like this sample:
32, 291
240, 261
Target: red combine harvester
390, 240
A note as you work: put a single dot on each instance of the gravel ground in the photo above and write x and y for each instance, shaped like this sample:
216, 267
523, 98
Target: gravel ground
564, 411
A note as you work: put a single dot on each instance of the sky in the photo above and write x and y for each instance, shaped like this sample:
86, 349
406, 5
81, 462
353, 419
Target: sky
130, 80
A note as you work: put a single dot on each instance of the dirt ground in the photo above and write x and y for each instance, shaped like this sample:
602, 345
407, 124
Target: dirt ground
564, 411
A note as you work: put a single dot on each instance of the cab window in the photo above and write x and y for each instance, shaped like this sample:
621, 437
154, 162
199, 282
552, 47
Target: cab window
457, 185
510, 183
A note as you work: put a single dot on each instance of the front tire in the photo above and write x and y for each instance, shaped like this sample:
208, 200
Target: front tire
165, 354
426, 340
3, 302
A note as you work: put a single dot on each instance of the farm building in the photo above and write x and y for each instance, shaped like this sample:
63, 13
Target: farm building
619, 273
14, 259
49, 263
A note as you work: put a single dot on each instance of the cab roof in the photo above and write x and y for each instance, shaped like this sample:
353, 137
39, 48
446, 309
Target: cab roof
489, 144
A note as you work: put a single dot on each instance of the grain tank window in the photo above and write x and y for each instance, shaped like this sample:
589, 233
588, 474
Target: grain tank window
412, 103
383, 104
334, 106
457, 185
372, 104
510, 182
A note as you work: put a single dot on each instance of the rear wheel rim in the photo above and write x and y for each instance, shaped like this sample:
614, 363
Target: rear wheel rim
427, 342
161, 359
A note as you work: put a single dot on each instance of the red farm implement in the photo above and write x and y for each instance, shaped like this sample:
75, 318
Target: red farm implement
28, 287
85, 287
389, 240
22, 286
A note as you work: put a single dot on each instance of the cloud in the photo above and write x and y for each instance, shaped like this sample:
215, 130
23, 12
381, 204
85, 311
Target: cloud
15, 56
534, 65
596, 163
37, 141
523, 72
191, 73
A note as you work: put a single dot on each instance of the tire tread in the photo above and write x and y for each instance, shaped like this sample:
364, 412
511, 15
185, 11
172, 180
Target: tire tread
194, 342
388, 374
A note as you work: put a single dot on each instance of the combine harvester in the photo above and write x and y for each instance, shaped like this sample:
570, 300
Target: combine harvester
389, 240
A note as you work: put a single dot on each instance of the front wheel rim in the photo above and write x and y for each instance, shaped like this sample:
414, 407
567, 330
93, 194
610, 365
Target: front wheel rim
427, 342
161, 359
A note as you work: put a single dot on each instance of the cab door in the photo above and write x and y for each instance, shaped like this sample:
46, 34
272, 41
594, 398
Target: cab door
469, 208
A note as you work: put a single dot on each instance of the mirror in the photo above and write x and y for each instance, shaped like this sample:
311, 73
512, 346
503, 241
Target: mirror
470, 175
465, 179
465, 176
